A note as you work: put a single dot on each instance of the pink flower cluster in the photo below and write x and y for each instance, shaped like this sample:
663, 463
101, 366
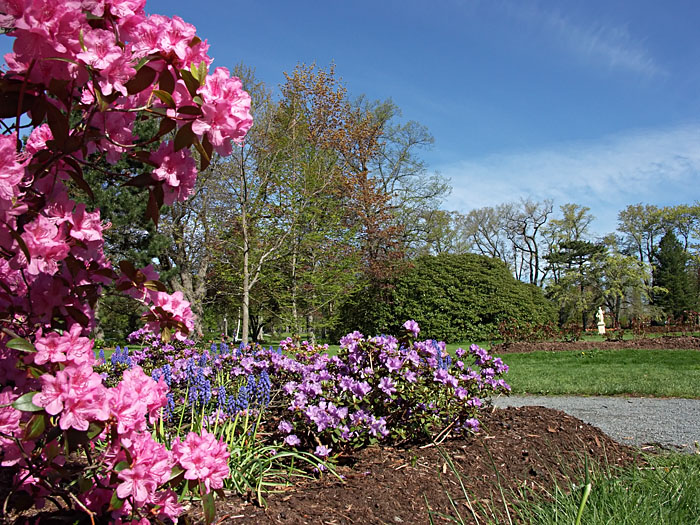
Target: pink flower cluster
82, 72
202, 457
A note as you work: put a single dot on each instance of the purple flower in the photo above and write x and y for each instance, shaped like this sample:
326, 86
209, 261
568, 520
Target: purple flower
472, 424
378, 426
394, 363
386, 385
285, 427
322, 451
412, 328
361, 389
292, 440
346, 383
410, 376
474, 402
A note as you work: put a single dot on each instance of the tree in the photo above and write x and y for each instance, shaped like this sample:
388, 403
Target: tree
575, 288
671, 274
641, 226
524, 226
621, 284
485, 232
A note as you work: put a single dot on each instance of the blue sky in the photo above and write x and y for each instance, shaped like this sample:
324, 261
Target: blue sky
593, 102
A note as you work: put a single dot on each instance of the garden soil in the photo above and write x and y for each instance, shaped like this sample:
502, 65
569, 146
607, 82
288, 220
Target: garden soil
520, 450
667, 342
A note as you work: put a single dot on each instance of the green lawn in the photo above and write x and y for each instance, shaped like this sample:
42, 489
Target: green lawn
664, 492
655, 373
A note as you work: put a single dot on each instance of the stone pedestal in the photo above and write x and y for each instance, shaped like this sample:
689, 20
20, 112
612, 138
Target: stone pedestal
601, 328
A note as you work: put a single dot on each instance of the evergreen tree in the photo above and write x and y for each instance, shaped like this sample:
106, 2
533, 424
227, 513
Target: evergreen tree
671, 273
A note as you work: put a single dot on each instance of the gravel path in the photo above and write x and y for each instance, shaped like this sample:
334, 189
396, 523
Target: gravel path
671, 423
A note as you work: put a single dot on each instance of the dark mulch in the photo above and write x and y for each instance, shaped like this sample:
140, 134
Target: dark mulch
528, 447
519, 448
667, 342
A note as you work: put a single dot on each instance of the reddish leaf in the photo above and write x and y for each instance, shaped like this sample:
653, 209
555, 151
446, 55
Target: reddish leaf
81, 182
77, 315
190, 110
9, 102
140, 181
38, 111
144, 78
22, 245
166, 126
59, 88
156, 286
58, 123
153, 209
185, 137
166, 81
128, 269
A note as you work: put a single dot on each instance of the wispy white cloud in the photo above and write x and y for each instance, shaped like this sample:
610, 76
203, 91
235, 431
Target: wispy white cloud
652, 166
598, 42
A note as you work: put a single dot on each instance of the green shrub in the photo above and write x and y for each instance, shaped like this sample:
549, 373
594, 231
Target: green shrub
452, 297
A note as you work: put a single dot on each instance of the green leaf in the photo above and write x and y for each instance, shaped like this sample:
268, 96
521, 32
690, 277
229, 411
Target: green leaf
208, 506
84, 484
165, 97
24, 403
115, 503
156, 286
21, 344
175, 472
95, 429
35, 426
203, 71
190, 81
121, 466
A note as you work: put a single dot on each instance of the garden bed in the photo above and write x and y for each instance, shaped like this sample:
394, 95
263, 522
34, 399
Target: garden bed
529, 447
652, 343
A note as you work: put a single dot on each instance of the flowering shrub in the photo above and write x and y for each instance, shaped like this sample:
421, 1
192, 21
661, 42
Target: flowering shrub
79, 76
379, 388
384, 388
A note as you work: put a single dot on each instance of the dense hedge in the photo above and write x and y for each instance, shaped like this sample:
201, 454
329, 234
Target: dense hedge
454, 298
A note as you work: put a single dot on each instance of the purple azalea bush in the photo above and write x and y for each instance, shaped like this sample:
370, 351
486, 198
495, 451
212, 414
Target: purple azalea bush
396, 390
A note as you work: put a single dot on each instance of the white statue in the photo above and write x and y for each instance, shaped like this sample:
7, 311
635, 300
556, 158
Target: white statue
601, 320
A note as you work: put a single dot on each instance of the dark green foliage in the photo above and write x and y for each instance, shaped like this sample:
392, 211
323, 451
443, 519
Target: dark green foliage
671, 273
452, 297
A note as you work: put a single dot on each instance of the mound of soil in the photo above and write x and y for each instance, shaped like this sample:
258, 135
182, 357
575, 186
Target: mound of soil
667, 342
527, 447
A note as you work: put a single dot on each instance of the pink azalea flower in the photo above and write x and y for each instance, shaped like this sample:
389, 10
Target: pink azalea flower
77, 393
177, 169
204, 458
11, 168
